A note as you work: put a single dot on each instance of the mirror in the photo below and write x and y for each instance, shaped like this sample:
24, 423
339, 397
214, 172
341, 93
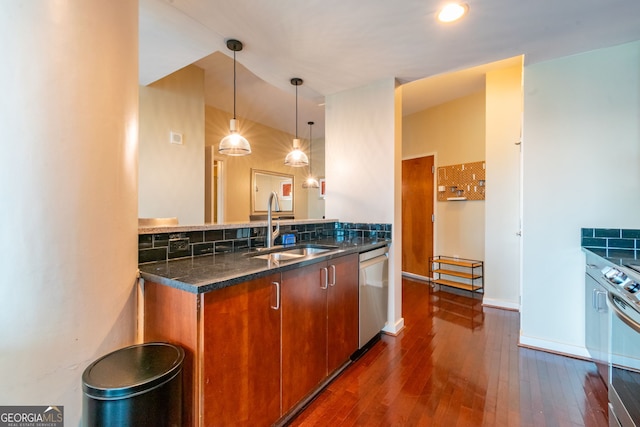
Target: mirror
192, 182
263, 183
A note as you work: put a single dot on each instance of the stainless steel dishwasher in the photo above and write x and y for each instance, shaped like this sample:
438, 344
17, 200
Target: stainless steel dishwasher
373, 293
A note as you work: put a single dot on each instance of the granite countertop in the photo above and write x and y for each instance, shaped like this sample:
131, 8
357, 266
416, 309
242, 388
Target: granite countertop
208, 272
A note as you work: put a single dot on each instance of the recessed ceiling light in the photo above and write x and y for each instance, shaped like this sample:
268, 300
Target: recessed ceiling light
452, 12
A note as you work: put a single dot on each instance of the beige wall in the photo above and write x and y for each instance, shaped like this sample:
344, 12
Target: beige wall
315, 203
68, 179
502, 205
172, 177
455, 133
171, 181
269, 147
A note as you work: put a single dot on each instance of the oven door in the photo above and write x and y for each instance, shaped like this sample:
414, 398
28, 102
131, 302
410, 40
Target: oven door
624, 372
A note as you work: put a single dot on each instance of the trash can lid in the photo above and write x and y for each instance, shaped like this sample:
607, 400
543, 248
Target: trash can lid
132, 370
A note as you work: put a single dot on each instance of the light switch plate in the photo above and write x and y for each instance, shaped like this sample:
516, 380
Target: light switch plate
175, 138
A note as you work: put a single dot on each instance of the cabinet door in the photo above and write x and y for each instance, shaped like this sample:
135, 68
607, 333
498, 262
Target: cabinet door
304, 332
342, 306
241, 354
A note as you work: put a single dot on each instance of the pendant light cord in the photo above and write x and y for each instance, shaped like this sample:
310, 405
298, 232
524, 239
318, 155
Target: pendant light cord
310, 139
234, 85
296, 111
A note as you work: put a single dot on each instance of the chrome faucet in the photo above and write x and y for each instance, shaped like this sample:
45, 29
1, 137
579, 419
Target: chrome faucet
271, 235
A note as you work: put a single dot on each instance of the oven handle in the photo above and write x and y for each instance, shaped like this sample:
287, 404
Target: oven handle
621, 314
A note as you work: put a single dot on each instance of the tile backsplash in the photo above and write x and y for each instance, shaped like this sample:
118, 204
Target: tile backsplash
612, 242
166, 246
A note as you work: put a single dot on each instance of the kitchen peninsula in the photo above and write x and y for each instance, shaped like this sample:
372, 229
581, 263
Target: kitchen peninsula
262, 332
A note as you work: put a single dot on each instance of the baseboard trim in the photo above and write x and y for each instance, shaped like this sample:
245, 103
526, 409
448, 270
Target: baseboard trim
397, 327
415, 276
496, 303
554, 347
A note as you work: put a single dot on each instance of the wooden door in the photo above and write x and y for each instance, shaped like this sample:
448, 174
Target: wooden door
241, 354
342, 306
417, 211
304, 332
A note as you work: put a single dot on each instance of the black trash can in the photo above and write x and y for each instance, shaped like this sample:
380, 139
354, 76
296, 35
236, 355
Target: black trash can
140, 385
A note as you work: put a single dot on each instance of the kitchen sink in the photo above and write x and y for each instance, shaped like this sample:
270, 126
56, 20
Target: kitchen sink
285, 253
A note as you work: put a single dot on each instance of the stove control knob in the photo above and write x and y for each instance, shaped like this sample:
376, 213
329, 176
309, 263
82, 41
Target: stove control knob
633, 287
615, 276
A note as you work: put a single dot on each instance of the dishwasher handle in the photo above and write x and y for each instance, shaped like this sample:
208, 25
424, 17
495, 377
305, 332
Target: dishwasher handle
373, 261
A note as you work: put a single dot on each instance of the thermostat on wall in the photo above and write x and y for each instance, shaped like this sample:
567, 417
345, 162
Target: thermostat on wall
175, 138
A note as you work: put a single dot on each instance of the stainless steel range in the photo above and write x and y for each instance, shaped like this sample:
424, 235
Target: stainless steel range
613, 332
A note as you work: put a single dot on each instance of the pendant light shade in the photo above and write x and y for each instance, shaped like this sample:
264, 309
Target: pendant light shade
311, 181
234, 144
296, 157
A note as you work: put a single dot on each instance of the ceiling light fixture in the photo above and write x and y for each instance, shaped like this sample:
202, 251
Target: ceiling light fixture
311, 181
234, 144
452, 12
296, 157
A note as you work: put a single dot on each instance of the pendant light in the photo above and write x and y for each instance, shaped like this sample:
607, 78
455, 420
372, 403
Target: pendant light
296, 157
234, 144
311, 181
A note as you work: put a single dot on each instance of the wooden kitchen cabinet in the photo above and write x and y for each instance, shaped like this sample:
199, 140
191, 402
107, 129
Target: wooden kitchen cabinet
241, 354
231, 337
304, 332
319, 324
171, 315
342, 307
257, 349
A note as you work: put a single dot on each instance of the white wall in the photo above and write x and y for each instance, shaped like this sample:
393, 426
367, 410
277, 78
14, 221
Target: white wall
581, 153
359, 147
502, 205
363, 144
68, 185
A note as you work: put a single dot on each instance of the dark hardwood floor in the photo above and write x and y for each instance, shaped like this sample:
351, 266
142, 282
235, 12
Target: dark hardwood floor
457, 363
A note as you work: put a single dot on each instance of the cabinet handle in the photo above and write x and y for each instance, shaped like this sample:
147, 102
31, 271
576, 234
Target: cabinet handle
277, 306
326, 278
333, 275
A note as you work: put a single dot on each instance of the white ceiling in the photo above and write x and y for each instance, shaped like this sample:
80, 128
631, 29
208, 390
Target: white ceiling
335, 45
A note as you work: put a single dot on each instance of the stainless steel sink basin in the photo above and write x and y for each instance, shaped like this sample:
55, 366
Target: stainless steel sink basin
279, 256
284, 253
